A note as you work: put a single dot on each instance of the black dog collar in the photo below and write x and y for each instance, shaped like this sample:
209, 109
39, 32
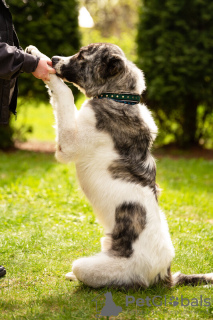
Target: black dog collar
126, 98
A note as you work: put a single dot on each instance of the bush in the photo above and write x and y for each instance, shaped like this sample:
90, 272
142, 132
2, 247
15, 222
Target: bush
175, 51
50, 25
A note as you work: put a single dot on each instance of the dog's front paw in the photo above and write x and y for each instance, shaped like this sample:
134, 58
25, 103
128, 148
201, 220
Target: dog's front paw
32, 50
70, 276
35, 52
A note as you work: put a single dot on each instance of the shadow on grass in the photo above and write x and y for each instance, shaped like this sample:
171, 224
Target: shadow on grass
68, 300
86, 303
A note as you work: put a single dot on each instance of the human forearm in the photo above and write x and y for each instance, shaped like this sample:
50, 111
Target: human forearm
14, 60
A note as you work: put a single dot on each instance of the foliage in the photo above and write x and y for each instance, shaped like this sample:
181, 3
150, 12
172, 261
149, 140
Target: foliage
112, 17
46, 223
175, 51
39, 118
115, 22
124, 40
50, 25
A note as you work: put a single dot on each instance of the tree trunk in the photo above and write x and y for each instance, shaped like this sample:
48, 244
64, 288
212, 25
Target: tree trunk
6, 134
189, 123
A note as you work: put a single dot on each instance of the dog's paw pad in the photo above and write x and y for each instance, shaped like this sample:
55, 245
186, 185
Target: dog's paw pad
70, 276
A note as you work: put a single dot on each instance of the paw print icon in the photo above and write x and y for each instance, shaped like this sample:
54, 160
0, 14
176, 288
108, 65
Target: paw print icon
174, 303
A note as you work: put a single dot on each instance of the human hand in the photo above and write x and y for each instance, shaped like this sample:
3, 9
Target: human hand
43, 70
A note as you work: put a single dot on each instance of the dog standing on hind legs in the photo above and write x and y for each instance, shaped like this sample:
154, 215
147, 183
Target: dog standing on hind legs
109, 140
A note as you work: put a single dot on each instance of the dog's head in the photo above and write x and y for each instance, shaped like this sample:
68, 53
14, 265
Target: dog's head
98, 68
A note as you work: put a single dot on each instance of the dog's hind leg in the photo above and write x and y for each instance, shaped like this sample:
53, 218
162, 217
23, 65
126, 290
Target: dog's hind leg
107, 270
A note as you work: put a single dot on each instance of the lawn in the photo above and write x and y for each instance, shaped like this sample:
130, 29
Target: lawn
35, 120
46, 223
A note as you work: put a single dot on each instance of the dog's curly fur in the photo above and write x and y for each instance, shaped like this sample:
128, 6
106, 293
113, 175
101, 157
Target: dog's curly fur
110, 144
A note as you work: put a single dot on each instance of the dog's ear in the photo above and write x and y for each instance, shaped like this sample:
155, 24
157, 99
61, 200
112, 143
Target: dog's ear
111, 66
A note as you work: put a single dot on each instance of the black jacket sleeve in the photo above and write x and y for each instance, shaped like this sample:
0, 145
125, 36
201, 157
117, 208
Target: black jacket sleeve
13, 61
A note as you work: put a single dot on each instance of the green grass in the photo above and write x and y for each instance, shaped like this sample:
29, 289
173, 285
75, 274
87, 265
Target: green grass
37, 118
46, 223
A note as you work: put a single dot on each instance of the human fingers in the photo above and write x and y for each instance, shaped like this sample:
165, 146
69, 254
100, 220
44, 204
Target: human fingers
49, 62
51, 70
49, 67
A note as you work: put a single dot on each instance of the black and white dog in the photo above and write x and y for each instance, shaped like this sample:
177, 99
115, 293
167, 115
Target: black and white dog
109, 140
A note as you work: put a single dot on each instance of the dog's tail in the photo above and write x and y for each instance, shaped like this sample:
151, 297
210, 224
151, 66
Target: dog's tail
193, 279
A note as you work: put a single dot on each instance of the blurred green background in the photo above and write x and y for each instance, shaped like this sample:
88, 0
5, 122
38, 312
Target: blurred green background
170, 40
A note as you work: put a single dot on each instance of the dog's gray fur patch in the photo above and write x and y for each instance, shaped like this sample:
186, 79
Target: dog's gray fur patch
130, 220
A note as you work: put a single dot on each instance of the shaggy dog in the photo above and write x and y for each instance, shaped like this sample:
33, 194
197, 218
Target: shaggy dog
109, 140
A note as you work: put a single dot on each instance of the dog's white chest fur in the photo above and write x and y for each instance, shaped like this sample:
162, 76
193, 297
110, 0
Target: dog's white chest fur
92, 168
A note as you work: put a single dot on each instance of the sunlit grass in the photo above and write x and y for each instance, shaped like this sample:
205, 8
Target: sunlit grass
46, 223
38, 117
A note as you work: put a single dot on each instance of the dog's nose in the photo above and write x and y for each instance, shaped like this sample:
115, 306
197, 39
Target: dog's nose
55, 60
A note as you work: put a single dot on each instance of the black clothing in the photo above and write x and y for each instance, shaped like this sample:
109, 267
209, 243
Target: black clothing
13, 61
2, 271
